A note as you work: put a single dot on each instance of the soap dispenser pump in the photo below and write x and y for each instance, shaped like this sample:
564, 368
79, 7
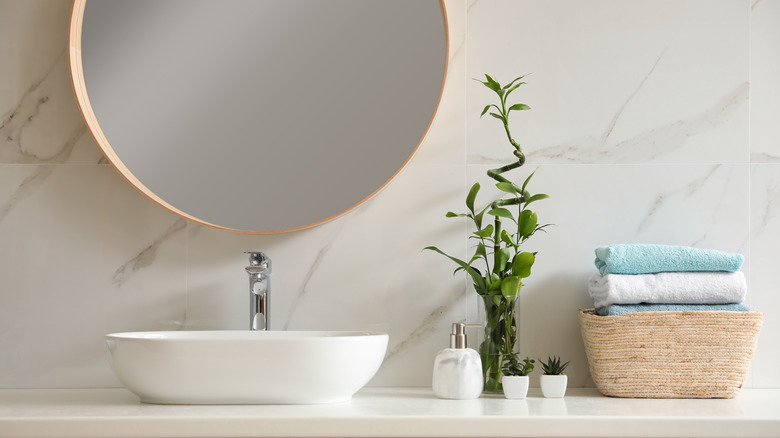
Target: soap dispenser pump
457, 371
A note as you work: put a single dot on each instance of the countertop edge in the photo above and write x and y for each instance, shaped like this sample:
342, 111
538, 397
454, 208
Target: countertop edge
388, 412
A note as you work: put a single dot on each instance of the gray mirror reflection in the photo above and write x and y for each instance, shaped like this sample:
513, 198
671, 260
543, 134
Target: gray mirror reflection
263, 115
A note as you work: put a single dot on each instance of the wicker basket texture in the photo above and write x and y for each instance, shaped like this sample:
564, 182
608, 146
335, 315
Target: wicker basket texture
670, 354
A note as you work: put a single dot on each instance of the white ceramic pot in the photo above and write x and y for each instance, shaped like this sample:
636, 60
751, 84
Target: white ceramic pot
515, 387
553, 386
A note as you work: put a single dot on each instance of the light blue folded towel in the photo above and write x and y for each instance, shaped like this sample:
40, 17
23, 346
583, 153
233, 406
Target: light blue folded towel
649, 259
620, 309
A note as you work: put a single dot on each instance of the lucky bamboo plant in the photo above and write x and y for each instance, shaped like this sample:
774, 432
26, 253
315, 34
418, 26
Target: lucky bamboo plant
498, 264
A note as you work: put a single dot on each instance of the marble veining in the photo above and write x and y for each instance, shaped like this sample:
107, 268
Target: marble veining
27, 187
711, 184
651, 145
311, 271
764, 157
769, 210
426, 328
616, 117
18, 119
682, 192
147, 256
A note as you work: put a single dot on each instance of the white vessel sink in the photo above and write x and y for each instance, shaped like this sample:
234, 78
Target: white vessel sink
245, 367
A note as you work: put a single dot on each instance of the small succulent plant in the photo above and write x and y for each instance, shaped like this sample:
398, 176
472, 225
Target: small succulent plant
553, 366
515, 367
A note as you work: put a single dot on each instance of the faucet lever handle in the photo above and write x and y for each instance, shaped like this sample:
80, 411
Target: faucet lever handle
259, 259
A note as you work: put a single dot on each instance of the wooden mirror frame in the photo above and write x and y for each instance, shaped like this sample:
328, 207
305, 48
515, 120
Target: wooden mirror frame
80, 90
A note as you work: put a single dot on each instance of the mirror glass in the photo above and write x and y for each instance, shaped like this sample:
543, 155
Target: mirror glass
258, 115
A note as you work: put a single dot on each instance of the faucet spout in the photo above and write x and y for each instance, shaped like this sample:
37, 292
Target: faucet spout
259, 271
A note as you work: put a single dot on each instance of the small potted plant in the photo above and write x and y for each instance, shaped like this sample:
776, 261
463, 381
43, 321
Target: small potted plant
553, 382
515, 376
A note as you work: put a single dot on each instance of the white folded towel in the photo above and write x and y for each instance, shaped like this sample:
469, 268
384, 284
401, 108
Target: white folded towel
669, 288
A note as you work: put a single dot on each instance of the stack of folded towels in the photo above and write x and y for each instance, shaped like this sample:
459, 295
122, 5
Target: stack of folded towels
640, 278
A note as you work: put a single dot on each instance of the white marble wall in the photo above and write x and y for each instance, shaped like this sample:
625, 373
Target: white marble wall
764, 191
652, 121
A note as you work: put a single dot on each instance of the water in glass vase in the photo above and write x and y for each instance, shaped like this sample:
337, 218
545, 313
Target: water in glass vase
500, 338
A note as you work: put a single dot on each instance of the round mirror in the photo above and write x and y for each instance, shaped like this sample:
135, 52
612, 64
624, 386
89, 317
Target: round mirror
258, 115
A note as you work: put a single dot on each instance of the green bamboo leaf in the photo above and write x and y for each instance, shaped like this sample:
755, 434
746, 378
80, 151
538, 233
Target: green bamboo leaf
542, 227
497, 116
514, 88
525, 183
526, 223
485, 110
508, 187
489, 85
511, 286
521, 265
537, 197
519, 107
478, 216
479, 282
492, 84
479, 252
472, 196
507, 238
502, 258
487, 232
451, 214
501, 212
493, 282
458, 269
505, 187
513, 81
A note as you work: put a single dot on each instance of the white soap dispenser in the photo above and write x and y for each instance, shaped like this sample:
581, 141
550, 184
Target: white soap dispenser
457, 371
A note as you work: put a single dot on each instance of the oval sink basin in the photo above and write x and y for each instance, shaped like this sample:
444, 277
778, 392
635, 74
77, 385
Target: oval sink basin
245, 367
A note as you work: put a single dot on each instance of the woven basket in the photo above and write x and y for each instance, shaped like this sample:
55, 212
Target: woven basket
704, 354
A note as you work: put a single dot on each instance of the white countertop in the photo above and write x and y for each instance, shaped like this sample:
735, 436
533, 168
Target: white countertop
389, 412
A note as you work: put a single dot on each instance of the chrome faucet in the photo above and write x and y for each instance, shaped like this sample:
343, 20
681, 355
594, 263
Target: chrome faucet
259, 271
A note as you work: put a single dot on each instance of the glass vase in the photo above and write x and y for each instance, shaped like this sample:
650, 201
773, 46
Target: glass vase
500, 338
